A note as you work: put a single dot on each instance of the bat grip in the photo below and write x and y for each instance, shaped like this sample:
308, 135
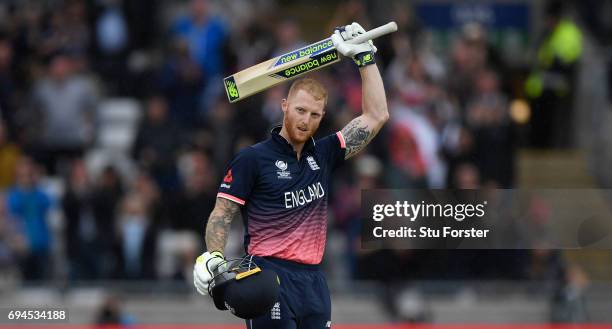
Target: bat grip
375, 33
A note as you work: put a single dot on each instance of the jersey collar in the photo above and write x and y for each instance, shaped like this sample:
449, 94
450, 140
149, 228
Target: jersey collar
284, 145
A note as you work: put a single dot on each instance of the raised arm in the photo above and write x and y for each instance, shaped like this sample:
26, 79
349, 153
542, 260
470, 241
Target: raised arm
219, 224
361, 130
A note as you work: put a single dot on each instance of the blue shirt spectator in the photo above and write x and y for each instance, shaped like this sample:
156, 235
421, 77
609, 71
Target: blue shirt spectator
205, 35
29, 205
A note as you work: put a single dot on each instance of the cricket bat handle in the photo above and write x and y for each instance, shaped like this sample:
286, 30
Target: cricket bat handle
375, 33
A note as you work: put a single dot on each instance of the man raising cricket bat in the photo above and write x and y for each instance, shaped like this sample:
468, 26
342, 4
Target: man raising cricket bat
281, 186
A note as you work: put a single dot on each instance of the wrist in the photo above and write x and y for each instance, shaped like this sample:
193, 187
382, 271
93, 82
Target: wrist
364, 59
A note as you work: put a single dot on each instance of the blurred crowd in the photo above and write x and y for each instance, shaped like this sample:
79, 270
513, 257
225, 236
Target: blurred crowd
62, 216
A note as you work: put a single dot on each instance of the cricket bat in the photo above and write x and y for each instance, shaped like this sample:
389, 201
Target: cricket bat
291, 65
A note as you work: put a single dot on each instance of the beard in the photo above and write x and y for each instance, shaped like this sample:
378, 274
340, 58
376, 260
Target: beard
295, 134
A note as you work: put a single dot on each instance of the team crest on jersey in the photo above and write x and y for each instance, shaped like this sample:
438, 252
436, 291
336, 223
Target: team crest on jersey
275, 312
282, 173
312, 163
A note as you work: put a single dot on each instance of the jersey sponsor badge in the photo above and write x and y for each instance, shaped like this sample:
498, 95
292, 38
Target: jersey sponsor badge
275, 313
228, 177
227, 180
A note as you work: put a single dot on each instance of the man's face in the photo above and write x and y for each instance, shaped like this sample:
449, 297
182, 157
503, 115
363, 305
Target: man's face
199, 8
302, 115
60, 68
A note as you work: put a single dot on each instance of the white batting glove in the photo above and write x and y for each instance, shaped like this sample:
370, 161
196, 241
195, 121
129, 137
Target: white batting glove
203, 270
362, 53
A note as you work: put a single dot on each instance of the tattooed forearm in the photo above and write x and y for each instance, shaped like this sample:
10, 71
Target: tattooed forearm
357, 135
219, 223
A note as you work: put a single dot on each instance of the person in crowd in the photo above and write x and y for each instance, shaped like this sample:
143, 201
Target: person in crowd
551, 85
207, 38
13, 243
157, 143
136, 240
9, 155
61, 114
29, 205
198, 195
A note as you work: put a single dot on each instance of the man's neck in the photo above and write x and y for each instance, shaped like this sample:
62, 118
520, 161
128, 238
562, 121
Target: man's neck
297, 147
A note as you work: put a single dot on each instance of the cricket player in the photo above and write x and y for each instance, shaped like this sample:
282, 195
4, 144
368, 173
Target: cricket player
281, 188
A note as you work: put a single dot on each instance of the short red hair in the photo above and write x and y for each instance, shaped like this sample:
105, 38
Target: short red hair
311, 86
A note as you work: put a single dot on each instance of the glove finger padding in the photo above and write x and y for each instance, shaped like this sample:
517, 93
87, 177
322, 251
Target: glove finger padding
357, 28
342, 47
345, 35
360, 30
351, 33
374, 49
205, 268
362, 53
201, 287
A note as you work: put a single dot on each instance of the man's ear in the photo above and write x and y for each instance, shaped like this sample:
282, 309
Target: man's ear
284, 105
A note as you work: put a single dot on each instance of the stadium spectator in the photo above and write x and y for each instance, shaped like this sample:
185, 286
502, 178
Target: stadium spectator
409, 81
347, 207
207, 37
157, 144
60, 116
180, 80
9, 154
112, 314
111, 46
107, 192
466, 177
84, 231
13, 244
197, 198
552, 83
487, 117
136, 243
8, 82
569, 303
468, 57
288, 37
29, 205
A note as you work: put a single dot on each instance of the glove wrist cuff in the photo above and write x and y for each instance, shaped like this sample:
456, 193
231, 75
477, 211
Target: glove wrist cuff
217, 254
364, 58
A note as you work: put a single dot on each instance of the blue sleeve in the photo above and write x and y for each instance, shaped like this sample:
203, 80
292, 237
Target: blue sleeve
239, 177
12, 201
46, 201
180, 27
220, 28
332, 148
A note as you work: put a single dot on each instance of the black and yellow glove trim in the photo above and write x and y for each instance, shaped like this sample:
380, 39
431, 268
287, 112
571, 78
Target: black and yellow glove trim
217, 254
364, 59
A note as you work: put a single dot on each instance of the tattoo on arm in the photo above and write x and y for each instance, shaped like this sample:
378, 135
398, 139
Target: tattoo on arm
356, 135
219, 224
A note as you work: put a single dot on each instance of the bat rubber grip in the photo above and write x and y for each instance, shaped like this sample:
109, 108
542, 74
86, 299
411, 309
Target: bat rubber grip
375, 33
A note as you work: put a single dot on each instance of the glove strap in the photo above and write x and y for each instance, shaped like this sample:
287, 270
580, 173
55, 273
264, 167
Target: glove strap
364, 59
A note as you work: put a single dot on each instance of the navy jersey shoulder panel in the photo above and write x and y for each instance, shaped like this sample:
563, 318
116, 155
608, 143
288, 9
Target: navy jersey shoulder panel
331, 149
240, 176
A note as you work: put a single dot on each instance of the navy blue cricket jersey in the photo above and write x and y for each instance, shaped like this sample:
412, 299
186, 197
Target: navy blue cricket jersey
284, 199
